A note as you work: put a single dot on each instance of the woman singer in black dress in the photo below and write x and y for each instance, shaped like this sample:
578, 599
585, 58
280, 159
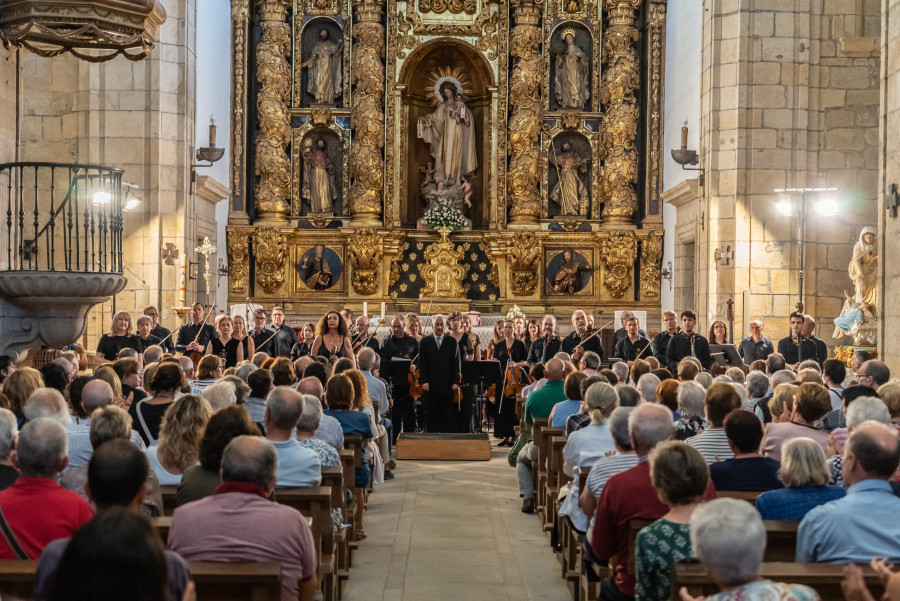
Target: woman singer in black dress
508, 350
226, 347
333, 338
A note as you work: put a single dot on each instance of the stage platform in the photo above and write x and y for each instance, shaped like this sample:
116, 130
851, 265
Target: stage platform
444, 447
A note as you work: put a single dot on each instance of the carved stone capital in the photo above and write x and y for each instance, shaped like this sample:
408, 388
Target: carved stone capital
527, 12
240, 9
273, 10
368, 11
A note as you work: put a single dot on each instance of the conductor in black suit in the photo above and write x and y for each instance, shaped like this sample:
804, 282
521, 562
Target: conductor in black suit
439, 374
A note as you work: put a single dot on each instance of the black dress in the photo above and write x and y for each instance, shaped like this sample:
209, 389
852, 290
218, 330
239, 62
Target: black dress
301, 349
324, 352
505, 422
226, 351
109, 346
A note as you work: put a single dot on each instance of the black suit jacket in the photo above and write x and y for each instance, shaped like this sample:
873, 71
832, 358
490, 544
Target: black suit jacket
571, 342
188, 332
439, 367
536, 351
680, 347
659, 346
795, 353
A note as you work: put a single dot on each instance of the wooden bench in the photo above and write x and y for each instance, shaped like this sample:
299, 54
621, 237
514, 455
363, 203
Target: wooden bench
543, 442
333, 477
555, 480
315, 502
536, 428
740, 495
781, 541
824, 578
354, 443
168, 497
162, 525
520, 412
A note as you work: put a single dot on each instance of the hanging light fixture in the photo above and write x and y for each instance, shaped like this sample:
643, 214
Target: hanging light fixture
53, 27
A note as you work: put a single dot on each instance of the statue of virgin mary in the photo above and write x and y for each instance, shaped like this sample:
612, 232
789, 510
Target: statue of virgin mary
863, 268
450, 131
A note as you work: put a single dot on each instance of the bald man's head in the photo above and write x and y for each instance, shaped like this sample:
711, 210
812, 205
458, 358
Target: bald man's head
250, 459
96, 394
555, 369
311, 385
872, 453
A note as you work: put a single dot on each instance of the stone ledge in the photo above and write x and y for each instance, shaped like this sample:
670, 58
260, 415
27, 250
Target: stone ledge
682, 193
211, 190
860, 47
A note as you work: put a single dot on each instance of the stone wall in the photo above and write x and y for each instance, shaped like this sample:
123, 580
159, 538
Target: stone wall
9, 65
789, 98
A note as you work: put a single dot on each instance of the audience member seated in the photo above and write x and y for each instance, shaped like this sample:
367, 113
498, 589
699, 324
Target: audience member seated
838, 418
810, 405
647, 386
36, 508
209, 370
691, 410
805, 475
96, 394
721, 399
748, 470
239, 522
571, 405
736, 374
9, 435
864, 408
18, 386
757, 385
729, 539
111, 423
260, 382
187, 367
873, 374
890, 394
339, 398
764, 410
687, 370
128, 371
48, 402
166, 382
220, 395
538, 405
317, 370
604, 468
863, 524
117, 478
582, 419
680, 476
667, 395
854, 584
630, 495
297, 465
622, 372
329, 430
628, 395
833, 373
179, 438
378, 393
201, 480
307, 427
56, 376
379, 445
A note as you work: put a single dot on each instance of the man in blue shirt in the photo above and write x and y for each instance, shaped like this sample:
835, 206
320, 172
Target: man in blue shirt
863, 524
297, 465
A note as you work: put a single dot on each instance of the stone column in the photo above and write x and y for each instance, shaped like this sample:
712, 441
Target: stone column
367, 115
273, 71
525, 122
240, 62
618, 130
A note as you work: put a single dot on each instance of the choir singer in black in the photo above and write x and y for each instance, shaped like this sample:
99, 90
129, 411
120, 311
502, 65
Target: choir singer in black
543, 348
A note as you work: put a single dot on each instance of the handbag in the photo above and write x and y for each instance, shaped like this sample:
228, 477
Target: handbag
521, 441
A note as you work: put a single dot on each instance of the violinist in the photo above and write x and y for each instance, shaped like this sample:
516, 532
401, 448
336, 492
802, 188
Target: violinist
660, 342
459, 420
439, 374
547, 345
519, 326
284, 337
532, 332
496, 336
513, 358
401, 346
633, 344
623, 331
363, 337
332, 338
301, 349
581, 339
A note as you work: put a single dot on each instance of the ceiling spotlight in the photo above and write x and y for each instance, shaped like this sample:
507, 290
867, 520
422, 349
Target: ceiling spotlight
132, 203
784, 207
827, 207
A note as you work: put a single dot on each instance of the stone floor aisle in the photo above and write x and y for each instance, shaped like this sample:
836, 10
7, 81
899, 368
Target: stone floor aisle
453, 531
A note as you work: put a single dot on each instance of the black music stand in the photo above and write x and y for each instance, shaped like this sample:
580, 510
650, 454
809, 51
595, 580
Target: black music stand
726, 355
399, 373
483, 373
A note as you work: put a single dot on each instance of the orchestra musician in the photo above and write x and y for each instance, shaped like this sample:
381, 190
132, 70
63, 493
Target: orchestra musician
633, 344
301, 349
532, 332
332, 338
623, 331
261, 332
519, 326
511, 353
226, 347
283, 337
688, 342
363, 337
660, 343
544, 348
401, 346
439, 369
459, 421
188, 340
414, 326
496, 336
475, 342
572, 343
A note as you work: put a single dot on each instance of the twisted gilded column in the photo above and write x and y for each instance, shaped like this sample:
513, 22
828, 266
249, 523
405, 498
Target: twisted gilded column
525, 122
273, 72
618, 130
367, 114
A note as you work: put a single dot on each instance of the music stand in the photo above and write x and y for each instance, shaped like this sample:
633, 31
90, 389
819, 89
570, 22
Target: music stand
399, 373
484, 373
726, 355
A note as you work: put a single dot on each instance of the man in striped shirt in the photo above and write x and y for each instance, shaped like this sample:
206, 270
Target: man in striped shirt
721, 399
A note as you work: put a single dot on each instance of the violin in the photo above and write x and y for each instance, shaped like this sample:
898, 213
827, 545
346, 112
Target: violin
513, 380
415, 388
458, 393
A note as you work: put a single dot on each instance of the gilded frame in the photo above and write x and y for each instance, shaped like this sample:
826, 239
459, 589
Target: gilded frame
297, 135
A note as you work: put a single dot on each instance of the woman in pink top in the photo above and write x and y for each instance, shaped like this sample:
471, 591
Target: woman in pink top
811, 404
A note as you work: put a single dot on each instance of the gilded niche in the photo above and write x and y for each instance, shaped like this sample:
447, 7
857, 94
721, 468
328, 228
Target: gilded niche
618, 252
365, 260
271, 251
238, 256
522, 259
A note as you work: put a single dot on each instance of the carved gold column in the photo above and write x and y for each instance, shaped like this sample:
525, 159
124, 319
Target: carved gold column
367, 115
240, 12
273, 71
525, 122
618, 130
655, 51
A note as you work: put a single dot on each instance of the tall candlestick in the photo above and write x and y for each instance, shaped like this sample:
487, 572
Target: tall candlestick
365, 308
212, 132
382, 310
684, 133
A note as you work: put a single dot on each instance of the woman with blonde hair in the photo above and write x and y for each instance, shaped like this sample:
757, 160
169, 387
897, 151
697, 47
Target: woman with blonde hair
119, 337
782, 401
179, 438
18, 386
890, 394
805, 476
109, 375
240, 334
811, 404
414, 326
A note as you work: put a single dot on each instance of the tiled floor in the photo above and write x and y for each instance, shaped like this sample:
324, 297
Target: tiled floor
453, 531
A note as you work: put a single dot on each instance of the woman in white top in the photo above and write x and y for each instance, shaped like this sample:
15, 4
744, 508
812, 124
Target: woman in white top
179, 438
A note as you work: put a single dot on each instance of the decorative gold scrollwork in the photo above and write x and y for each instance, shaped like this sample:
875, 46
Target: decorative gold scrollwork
442, 274
365, 260
406, 41
320, 116
523, 259
270, 251
238, 256
455, 7
618, 252
651, 259
570, 120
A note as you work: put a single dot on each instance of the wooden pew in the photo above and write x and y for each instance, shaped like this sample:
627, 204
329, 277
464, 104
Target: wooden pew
824, 578
781, 541
315, 502
555, 480
17, 577
520, 412
168, 497
333, 477
536, 428
740, 495
543, 442
572, 542
162, 525
354, 442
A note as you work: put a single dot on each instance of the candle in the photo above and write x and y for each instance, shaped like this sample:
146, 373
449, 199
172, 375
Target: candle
212, 132
382, 310
684, 133
365, 308
181, 281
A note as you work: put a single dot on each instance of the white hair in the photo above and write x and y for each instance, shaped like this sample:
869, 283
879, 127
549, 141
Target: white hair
742, 392
651, 424
96, 394
867, 408
244, 370
50, 403
153, 354
703, 379
187, 366
620, 368
220, 395
729, 539
312, 414
365, 359
757, 384
691, 399
43, 444
647, 385
9, 432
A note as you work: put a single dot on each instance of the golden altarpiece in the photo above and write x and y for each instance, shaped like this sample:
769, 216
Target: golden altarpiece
529, 130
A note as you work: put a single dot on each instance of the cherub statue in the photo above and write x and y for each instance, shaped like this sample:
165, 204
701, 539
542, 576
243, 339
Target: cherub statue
428, 173
466, 190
